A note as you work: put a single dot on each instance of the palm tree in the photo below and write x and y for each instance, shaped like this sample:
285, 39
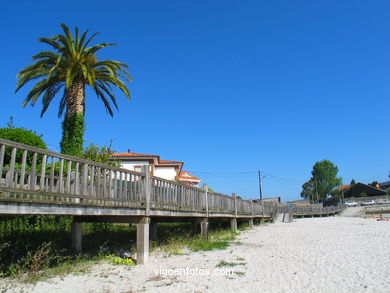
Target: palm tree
71, 66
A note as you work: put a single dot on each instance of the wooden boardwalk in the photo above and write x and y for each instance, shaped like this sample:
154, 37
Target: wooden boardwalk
37, 181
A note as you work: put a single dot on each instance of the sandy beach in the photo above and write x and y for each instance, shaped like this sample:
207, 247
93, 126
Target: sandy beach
335, 254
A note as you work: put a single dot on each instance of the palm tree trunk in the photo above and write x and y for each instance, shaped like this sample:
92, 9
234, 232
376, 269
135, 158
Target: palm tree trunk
73, 125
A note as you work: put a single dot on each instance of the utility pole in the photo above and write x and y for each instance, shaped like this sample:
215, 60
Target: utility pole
261, 193
260, 187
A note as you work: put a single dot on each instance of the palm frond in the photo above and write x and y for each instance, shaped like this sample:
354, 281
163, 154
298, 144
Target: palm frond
71, 62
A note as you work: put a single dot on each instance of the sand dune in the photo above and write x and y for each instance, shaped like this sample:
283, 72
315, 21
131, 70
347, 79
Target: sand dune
336, 254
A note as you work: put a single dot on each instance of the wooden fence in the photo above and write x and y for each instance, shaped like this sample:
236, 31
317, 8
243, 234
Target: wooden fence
33, 175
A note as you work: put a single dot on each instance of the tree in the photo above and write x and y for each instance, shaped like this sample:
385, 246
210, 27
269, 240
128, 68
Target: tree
323, 181
374, 184
20, 135
308, 190
353, 182
100, 154
71, 66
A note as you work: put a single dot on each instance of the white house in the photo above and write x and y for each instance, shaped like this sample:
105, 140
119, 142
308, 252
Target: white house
170, 170
187, 178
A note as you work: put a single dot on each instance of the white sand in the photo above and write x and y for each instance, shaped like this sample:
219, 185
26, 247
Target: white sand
336, 254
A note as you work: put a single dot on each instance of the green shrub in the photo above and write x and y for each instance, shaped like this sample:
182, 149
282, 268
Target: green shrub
21, 135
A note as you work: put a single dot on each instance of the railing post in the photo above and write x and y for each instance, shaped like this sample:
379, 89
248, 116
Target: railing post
206, 190
84, 179
10, 179
2, 152
147, 189
33, 171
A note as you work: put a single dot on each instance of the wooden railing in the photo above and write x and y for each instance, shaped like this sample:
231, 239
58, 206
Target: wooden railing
29, 174
33, 175
308, 210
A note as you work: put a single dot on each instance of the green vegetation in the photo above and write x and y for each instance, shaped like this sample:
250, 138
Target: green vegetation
229, 264
70, 67
20, 135
37, 247
101, 154
176, 239
73, 128
323, 181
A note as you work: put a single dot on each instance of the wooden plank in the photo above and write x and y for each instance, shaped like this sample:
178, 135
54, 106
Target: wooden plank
9, 180
84, 178
110, 193
2, 152
98, 190
76, 179
68, 178
61, 177
92, 180
33, 171
125, 187
43, 173
23, 169
53, 167
115, 183
104, 192
120, 182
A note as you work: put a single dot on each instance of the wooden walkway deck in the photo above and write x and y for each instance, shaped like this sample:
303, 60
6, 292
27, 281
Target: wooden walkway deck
37, 181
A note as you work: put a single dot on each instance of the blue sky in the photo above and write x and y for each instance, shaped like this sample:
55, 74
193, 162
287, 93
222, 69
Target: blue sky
228, 87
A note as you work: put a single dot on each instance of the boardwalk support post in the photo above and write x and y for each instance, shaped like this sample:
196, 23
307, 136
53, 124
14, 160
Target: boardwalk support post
234, 220
76, 235
143, 224
204, 229
251, 226
143, 240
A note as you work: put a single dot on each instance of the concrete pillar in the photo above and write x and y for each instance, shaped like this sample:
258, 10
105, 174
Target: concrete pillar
143, 241
153, 231
76, 236
204, 230
251, 226
234, 224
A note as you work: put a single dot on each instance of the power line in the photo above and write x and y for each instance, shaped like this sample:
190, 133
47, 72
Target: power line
223, 173
254, 173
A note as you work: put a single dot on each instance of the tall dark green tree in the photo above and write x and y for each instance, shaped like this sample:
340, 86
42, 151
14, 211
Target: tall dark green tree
308, 190
70, 67
323, 181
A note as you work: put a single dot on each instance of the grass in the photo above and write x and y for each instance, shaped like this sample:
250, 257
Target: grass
31, 255
181, 243
229, 264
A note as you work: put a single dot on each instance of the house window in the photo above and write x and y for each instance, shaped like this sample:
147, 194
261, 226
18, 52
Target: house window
138, 168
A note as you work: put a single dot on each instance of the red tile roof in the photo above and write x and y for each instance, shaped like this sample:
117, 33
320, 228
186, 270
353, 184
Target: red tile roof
132, 155
344, 187
188, 177
170, 162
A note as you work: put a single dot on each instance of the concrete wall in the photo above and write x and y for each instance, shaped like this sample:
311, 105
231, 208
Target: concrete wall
130, 165
168, 173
